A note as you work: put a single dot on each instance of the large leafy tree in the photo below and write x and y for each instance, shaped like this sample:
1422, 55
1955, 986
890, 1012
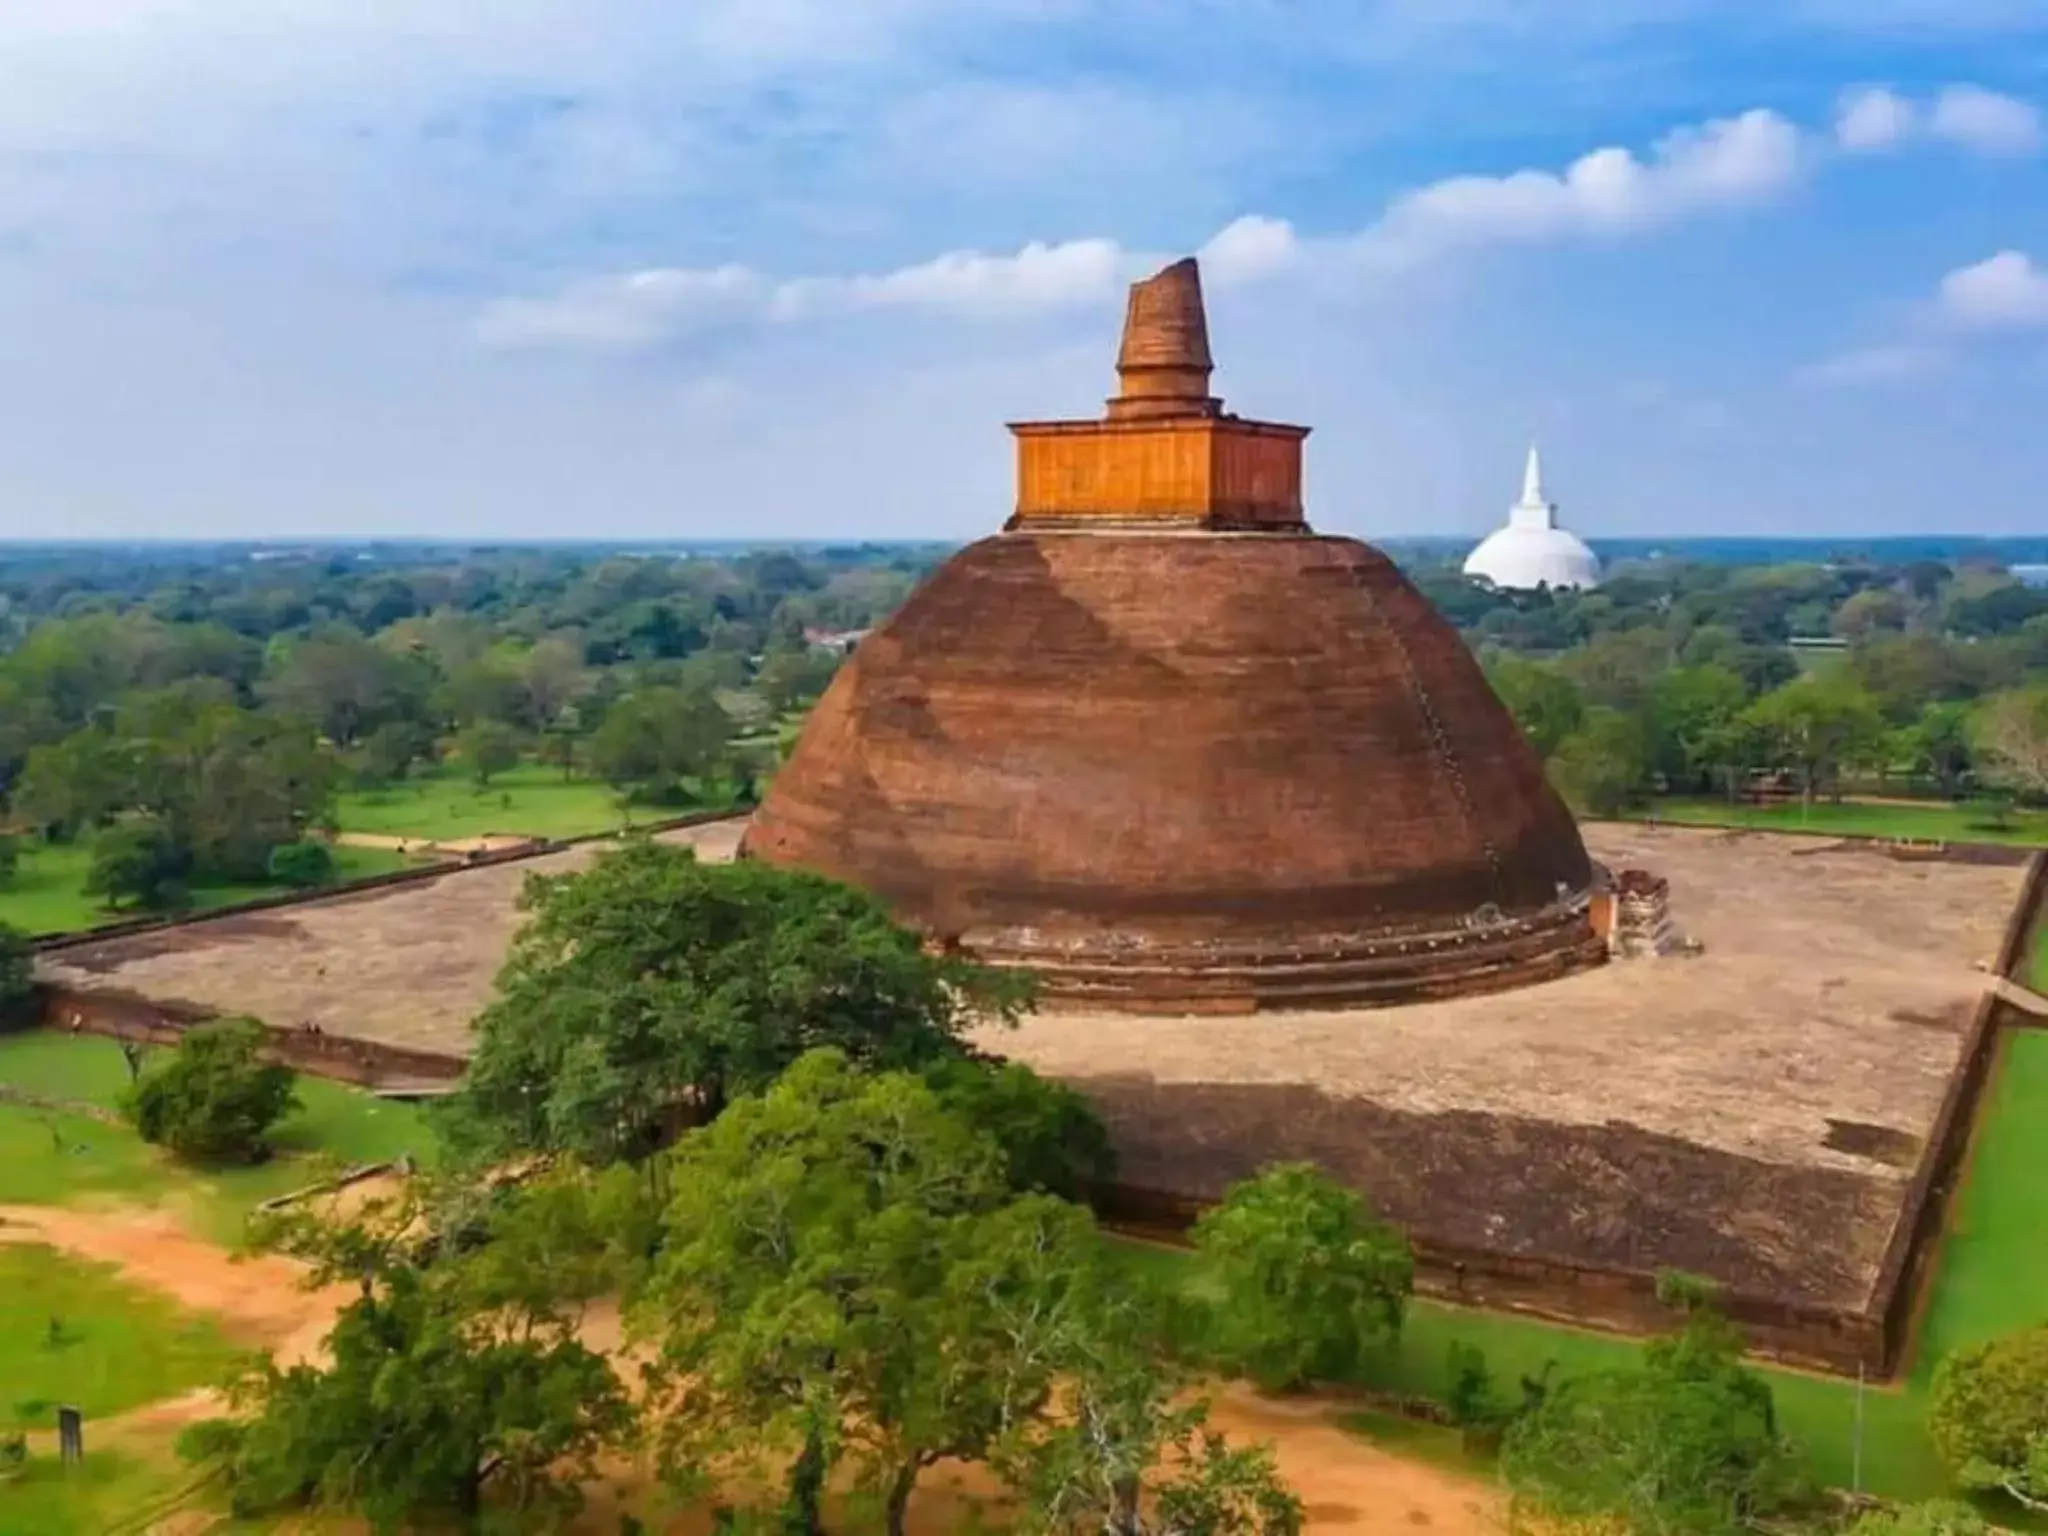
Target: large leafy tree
1686, 1444
17, 975
1602, 767
1817, 726
1690, 710
1988, 1416
847, 1290
455, 1385
1545, 703
1052, 1140
1307, 1283
648, 990
2011, 739
214, 1098
654, 738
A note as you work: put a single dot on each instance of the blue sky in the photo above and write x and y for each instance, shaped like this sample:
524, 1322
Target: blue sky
718, 268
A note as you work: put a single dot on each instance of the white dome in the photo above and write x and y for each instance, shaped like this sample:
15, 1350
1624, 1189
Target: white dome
1531, 551
1523, 559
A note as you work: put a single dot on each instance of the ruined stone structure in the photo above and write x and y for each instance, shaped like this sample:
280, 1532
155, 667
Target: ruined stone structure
1632, 911
1175, 752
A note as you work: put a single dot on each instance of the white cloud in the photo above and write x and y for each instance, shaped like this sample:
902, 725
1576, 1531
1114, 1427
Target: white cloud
2001, 292
1248, 249
625, 313
1985, 121
1867, 366
1873, 118
1726, 162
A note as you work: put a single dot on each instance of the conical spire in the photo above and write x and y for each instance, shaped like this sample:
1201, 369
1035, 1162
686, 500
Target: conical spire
1534, 509
1163, 365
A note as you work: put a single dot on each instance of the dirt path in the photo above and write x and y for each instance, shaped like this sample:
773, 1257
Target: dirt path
1345, 1484
259, 1299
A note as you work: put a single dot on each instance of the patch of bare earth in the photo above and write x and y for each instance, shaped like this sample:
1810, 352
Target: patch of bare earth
1345, 1484
406, 965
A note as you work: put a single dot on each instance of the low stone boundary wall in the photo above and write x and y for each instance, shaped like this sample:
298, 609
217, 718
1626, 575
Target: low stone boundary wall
58, 943
129, 1016
1615, 1300
1877, 1339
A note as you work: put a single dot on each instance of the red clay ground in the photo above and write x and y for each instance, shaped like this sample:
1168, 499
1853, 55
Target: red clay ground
1346, 1484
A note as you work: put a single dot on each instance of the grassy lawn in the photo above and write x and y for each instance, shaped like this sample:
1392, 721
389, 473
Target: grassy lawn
59, 1159
47, 894
528, 801
1951, 823
1988, 1283
102, 1494
75, 1333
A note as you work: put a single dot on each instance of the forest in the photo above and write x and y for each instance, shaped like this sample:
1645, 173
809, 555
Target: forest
193, 726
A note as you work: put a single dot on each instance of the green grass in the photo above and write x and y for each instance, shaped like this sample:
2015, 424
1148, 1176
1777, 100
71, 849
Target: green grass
76, 1333
1950, 823
102, 1494
63, 1159
1987, 1284
528, 801
47, 894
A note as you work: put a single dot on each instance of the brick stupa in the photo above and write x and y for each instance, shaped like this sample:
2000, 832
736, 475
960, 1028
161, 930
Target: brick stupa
1164, 745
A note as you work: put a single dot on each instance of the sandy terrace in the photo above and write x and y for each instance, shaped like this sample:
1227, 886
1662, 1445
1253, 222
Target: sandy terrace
1753, 1112
409, 965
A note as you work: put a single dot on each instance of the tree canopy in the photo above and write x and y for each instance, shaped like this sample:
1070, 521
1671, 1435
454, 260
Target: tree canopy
651, 989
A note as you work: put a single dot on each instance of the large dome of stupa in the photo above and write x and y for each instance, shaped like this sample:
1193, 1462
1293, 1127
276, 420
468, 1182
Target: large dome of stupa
1167, 747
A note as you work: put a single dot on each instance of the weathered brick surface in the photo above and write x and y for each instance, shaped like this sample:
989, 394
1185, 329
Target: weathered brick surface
1233, 770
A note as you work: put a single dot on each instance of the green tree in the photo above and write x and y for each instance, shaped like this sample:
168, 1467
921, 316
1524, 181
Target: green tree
2011, 737
389, 752
800, 1300
454, 1385
487, 749
1052, 1140
1690, 710
345, 686
1545, 703
214, 1098
1601, 767
847, 1289
649, 989
1938, 745
1129, 1454
1817, 726
139, 861
1685, 1444
10, 858
1988, 1416
68, 787
17, 975
654, 738
302, 865
1307, 1283
1936, 1517
791, 676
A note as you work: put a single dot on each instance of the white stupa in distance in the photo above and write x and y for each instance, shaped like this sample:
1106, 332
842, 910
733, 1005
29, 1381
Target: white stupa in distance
1531, 551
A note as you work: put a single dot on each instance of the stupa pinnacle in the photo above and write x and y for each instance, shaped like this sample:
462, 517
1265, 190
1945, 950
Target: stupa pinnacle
1163, 454
1163, 366
1171, 751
